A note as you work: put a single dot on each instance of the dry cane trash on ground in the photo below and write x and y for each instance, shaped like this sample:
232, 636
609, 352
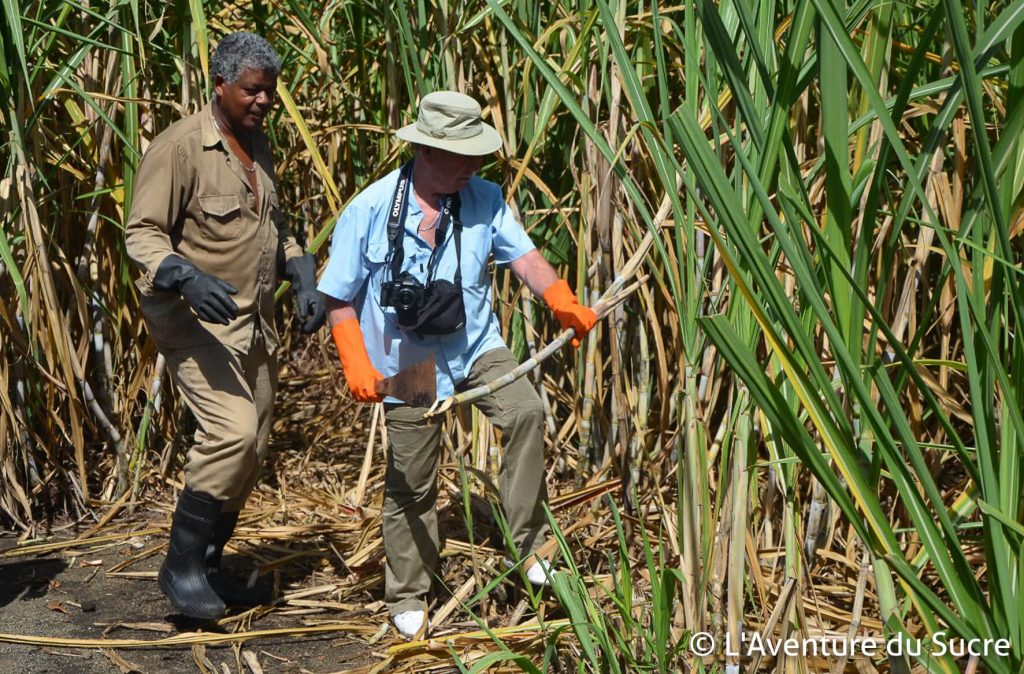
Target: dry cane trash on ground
316, 533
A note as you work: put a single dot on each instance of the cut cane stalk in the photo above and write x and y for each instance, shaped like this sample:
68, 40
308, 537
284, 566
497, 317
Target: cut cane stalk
614, 295
602, 309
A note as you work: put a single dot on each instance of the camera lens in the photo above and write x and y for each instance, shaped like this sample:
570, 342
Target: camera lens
405, 298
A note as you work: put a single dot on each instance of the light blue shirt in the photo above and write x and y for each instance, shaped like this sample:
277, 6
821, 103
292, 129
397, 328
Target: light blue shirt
356, 270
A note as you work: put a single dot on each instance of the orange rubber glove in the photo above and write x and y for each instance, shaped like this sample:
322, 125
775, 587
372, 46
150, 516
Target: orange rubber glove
569, 312
359, 371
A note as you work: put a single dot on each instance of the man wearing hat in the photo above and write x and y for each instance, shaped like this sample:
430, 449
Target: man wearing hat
407, 279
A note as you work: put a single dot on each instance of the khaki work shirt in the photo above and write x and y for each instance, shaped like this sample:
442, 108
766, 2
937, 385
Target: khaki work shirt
192, 198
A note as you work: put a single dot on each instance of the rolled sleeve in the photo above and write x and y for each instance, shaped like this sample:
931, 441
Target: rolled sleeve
509, 241
162, 189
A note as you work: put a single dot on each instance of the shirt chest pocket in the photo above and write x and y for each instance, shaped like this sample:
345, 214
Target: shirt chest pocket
373, 262
376, 253
222, 217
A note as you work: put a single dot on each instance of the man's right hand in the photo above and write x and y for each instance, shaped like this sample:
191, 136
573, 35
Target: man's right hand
208, 295
362, 377
211, 298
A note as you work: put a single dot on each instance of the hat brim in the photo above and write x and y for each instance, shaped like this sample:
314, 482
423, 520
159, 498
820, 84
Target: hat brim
485, 142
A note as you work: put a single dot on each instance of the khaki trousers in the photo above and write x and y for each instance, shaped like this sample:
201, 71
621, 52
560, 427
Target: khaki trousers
231, 394
410, 483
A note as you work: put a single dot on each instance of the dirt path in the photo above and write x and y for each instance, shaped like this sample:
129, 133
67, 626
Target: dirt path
72, 594
55, 597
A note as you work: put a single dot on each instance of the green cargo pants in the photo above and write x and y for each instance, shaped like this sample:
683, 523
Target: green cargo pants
410, 484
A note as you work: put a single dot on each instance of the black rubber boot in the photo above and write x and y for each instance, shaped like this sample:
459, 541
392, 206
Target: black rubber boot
182, 577
230, 593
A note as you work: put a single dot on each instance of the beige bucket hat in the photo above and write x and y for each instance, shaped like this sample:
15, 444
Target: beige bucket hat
451, 121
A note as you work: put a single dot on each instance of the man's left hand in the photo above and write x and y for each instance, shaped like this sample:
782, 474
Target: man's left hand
569, 312
309, 303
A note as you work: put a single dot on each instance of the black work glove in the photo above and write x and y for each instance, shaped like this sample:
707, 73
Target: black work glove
209, 296
309, 302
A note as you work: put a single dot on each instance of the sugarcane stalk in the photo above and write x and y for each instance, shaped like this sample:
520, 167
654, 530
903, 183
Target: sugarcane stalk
597, 238
153, 401
364, 470
482, 445
742, 442
185, 638
73, 371
588, 448
612, 296
112, 432
690, 456
718, 566
531, 344
643, 385
817, 516
637, 442
623, 401
602, 309
21, 400
25, 441
858, 604
86, 269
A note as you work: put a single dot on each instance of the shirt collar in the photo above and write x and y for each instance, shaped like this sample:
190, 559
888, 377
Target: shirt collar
210, 135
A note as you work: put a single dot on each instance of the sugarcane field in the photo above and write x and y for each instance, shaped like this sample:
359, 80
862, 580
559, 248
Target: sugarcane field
587, 336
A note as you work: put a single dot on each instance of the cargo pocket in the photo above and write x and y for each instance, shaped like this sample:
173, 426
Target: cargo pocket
222, 216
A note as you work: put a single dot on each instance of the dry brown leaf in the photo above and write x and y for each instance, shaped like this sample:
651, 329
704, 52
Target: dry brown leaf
311, 592
59, 607
202, 662
252, 662
119, 662
163, 628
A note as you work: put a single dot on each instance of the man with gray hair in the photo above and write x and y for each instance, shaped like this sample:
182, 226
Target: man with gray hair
207, 232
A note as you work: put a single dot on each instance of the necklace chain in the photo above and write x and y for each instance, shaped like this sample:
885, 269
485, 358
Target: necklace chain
247, 169
421, 228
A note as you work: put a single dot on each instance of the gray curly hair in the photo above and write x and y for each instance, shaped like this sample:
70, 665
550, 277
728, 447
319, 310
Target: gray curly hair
240, 51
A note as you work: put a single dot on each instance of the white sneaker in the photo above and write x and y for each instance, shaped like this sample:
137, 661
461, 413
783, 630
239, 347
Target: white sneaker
409, 623
539, 574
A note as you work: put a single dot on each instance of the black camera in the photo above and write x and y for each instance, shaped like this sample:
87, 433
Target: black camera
405, 293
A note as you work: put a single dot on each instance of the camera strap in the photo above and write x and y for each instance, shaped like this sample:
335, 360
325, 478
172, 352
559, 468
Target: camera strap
449, 213
396, 228
396, 221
